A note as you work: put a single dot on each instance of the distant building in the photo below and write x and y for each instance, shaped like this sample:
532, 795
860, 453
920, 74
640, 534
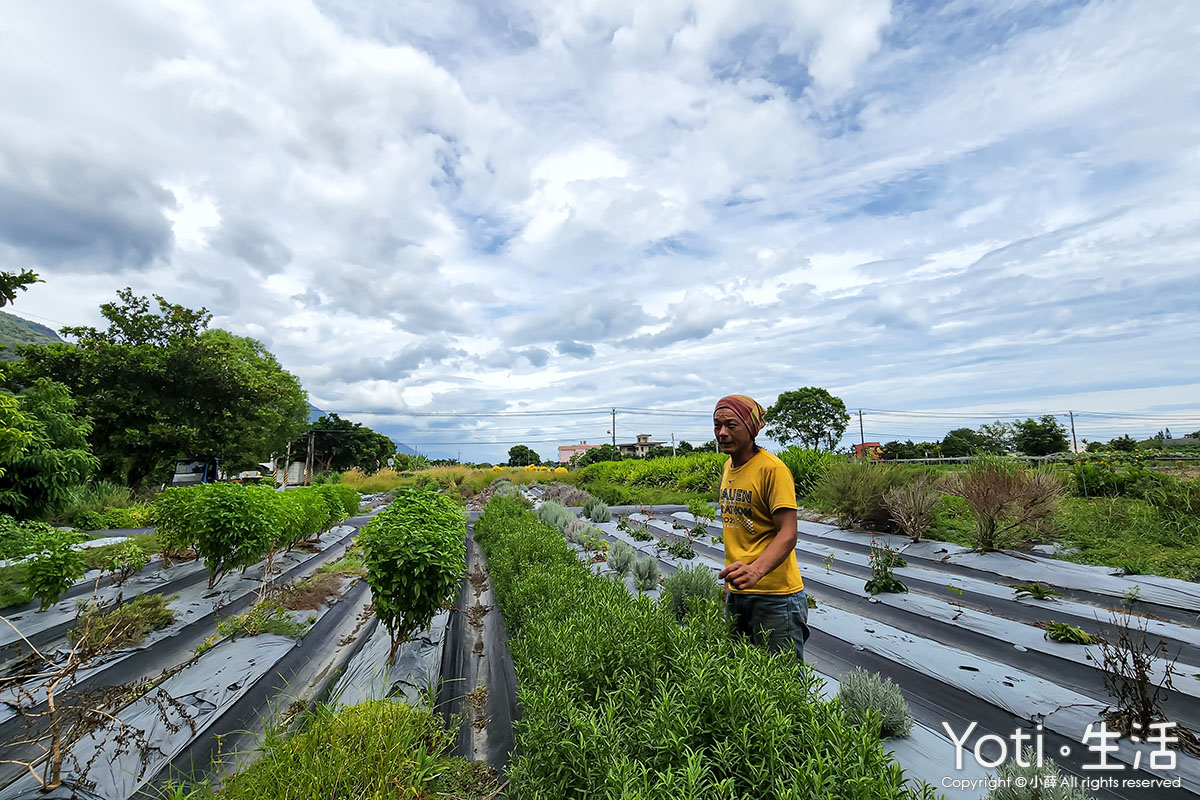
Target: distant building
565, 451
638, 449
867, 450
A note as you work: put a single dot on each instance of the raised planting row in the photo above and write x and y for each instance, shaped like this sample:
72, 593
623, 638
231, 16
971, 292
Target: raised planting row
620, 700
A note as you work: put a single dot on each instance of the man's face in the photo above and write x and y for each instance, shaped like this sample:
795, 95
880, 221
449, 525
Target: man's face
730, 432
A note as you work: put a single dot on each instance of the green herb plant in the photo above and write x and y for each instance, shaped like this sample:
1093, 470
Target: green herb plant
127, 558
53, 566
688, 585
883, 560
865, 694
1036, 590
1068, 634
415, 554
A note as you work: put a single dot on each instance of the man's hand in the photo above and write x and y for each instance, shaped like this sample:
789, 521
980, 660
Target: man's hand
741, 576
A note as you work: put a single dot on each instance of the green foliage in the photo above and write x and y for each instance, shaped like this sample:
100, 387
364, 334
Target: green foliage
106, 629
53, 566
138, 516
1041, 437
264, 617
894, 450
14, 590
335, 503
564, 494
808, 465
855, 492
21, 537
94, 496
699, 473
232, 526
339, 445
1036, 590
863, 693
1015, 782
574, 529
174, 518
883, 560
125, 559
36, 477
811, 416
619, 700
688, 585
519, 456
13, 282
1070, 634
1125, 532
555, 514
337, 753
415, 553
596, 510
678, 546
703, 512
157, 385
621, 557
645, 573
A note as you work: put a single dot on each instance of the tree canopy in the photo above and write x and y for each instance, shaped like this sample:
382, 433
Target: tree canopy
12, 282
1041, 437
519, 456
811, 416
159, 385
339, 444
44, 450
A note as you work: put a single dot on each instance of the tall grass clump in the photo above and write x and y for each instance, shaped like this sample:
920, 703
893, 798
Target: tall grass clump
619, 700
808, 465
554, 514
621, 557
855, 492
1004, 496
380, 748
689, 585
95, 497
862, 692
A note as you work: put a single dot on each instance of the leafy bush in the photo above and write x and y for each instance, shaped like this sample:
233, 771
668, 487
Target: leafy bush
855, 492
678, 546
174, 517
335, 499
808, 466
657, 714
415, 553
645, 573
694, 582
88, 521
912, 506
1004, 496
883, 560
592, 543
596, 510
1015, 782
621, 557
232, 526
862, 692
20, 538
126, 559
53, 566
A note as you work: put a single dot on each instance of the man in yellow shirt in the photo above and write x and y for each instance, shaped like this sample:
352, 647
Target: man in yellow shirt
765, 596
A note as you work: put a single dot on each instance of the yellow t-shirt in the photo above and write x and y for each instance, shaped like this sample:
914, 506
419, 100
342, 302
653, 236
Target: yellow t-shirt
750, 494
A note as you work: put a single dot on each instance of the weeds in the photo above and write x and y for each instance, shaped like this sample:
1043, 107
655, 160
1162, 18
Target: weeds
1004, 496
1068, 634
266, 617
121, 626
1036, 590
678, 547
883, 560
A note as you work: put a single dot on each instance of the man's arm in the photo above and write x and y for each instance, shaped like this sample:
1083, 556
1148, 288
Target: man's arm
746, 576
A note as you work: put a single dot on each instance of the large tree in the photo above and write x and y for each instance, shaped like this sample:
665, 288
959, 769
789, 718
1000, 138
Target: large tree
811, 416
519, 456
43, 449
12, 282
159, 385
966, 442
339, 444
1041, 437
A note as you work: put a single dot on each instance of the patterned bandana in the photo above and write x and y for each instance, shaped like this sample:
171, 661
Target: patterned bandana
748, 411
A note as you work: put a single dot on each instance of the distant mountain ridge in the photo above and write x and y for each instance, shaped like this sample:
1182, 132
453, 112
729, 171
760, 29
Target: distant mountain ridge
16, 331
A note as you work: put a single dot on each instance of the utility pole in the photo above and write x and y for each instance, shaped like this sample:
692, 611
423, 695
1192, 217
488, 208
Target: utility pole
861, 438
672, 445
287, 465
616, 454
308, 466
1074, 445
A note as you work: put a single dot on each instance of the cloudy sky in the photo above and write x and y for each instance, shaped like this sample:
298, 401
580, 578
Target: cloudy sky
963, 208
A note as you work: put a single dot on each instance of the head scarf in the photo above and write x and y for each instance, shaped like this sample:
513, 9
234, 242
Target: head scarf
749, 412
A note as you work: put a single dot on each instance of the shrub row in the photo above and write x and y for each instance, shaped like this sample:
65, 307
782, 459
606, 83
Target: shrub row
619, 700
136, 516
700, 472
233, 526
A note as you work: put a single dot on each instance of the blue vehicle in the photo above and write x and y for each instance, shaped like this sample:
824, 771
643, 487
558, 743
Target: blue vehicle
193, 471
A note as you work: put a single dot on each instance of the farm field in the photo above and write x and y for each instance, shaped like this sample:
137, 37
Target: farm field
505, 661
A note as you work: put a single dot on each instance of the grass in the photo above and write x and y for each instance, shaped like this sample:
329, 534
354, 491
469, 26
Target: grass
96, 497
126, 625
12, 586
266, 617
448, 478
377, 749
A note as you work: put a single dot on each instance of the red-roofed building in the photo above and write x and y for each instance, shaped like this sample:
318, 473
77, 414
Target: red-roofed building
867, 450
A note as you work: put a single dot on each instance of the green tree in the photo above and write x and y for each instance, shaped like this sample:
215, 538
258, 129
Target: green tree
964, 442
1125, 444
339, 444
894, 450
46, 452
1041, 437
998, 435
604, 452
811, 416
159, 385
519, 456
12, 282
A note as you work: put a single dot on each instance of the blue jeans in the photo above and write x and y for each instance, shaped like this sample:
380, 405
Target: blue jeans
777, 622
